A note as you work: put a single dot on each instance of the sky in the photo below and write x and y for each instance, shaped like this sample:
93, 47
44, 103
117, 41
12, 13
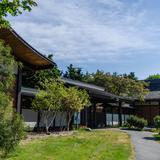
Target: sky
112, 35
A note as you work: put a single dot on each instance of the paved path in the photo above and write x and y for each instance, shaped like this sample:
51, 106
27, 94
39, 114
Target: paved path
146, 147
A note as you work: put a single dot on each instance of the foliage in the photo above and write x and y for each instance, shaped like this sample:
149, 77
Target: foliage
154, 76
13, 8
120, 85
73, 102
157, 123
136, 122
96, 145
7, 68
48, 101
11, 126
73, 73
32, 78
55, 97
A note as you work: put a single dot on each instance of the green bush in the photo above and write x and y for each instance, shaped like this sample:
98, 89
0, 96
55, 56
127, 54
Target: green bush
11, 132
157, 123
136, 122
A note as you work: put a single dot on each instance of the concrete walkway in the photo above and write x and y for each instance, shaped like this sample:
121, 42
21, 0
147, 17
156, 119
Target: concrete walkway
146, 147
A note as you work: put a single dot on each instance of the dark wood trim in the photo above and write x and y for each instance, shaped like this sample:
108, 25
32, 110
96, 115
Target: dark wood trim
120, 113
18, 92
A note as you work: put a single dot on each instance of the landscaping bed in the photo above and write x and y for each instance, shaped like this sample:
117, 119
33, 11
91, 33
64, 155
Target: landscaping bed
82, 145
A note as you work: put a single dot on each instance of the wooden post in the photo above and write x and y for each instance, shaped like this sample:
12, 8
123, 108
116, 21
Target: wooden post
112, 116
159, 108
86, 116
19, 85
104, 112
120, 113
38, 121
94, 116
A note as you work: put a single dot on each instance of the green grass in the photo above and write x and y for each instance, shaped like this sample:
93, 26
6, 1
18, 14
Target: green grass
83, 145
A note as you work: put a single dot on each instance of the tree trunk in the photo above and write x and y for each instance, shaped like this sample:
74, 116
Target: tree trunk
77, 120
69, 120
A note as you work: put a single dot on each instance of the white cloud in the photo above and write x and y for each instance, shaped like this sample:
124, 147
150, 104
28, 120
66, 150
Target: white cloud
87, 31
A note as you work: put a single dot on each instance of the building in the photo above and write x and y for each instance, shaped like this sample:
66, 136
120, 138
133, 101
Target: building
29, 57
107, 109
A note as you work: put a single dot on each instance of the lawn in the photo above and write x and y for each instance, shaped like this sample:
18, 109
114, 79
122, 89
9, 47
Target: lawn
82, 145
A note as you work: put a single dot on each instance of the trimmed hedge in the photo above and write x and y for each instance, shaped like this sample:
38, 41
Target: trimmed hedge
136, 122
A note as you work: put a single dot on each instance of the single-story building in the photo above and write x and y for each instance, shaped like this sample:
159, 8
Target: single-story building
107, 109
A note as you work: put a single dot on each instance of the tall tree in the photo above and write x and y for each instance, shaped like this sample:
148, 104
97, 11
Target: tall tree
121, 85
48, 101
73, 102
154, 76
74, 73
11, 125
13, 8
32, 78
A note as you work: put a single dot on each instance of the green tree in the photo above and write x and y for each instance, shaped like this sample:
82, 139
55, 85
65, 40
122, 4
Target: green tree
120, 85
48, 102
154, 76
32, 78
74, 101
13, 8
11, 125
7, 68
73, 73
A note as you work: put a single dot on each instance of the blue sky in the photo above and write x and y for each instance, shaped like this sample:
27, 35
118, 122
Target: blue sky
112, 35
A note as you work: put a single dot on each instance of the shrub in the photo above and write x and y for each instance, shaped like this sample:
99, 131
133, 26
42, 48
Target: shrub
136, 122
11, 132
157, 123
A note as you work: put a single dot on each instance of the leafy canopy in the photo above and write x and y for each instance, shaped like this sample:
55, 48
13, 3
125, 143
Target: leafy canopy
32, 78
154, 76
74, 73
13, 8
121, 85
7, 68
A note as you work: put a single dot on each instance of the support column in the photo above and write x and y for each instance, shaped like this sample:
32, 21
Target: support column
94, 115
112, 116
159, 108
104, 112
38, 120
86, 116
120, 113
18, 92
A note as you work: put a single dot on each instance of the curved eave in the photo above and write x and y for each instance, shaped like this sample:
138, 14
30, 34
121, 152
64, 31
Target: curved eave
23, 51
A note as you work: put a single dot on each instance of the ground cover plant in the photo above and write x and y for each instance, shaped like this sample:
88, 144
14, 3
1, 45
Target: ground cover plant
135, 122
82, 145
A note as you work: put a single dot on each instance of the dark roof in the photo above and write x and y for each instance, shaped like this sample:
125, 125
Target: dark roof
94, 90
23, 51
153, 95
154, 84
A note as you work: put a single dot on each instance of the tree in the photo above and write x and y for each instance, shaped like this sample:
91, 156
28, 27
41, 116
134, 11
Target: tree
73, 73
11, 124
120, 85
154, 76
74, 101
48, 101
131, 75
34, 79
13, 8
7, 68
